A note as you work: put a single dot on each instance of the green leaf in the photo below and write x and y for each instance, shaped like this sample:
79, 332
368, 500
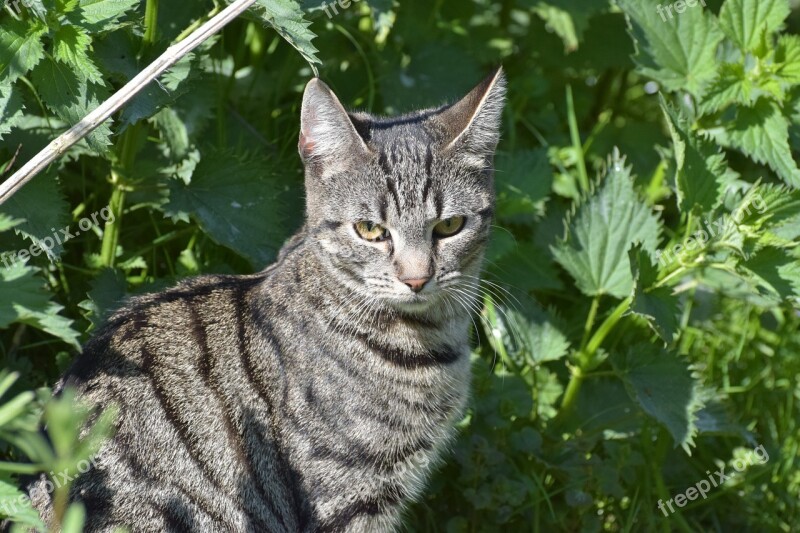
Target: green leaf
71, 47
7, 222
530, 335
159, 94
663, 386
16, 505
71, 98
108, 290
746, 22
235, 202
732, 86
787, 56
762, 133
701, 173
286, 17
11, 107
657, 305
678, 52
777, 270
383, 18
74, 518
599, 235
568, 18
527, 267
104, 15
21, 47
40, 223
24, 299
524, 179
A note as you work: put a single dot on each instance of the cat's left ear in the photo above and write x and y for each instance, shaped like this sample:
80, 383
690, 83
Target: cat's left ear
472, 125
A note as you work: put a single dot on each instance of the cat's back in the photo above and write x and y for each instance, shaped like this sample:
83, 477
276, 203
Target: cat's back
194, 405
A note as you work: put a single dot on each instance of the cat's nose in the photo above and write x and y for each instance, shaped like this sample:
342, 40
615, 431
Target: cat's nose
416, 284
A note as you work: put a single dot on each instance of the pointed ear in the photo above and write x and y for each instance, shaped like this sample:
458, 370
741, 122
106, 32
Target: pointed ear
328, 138
472, 125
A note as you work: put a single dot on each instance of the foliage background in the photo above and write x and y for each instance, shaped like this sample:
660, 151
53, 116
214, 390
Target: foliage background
604, 380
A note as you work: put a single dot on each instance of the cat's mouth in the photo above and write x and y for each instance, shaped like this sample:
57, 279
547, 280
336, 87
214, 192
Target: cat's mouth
413, 302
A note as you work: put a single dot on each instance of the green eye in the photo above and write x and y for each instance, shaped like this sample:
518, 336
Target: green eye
372, 232
449, 226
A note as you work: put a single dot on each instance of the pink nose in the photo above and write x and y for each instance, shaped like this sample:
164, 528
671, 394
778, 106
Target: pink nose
416, 284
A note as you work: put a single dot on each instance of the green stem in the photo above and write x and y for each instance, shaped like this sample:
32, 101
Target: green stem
586, 356
573, 387
108, 251
150, 23
587, 328
575, 137
607, 325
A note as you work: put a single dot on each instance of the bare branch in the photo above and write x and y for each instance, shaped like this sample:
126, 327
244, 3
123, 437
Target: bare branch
83, 128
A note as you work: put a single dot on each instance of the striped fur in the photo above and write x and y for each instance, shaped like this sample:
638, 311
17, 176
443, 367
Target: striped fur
315, 395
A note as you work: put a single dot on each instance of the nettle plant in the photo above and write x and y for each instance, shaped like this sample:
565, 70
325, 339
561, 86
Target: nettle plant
611, 399
640, 319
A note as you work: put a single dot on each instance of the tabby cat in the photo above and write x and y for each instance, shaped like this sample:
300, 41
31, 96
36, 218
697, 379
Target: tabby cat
317, 394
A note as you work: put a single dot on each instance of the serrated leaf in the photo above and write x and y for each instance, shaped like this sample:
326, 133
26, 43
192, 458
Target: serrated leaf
71, 98
11, 107
528, 267
524, 179
663, 386
777, 270
65, 6
39, 223
7, 222
104, 15
21, 47
118, 55
678, 52
701, 173
15, 505
107, 291
732, 86
656, 304
234, 201
746, 22
599, 235
787, 56
286, 17
24, 299
531, 335
71, 47
762, 133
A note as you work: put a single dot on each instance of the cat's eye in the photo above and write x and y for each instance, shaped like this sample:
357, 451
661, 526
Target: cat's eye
372, 232
449, 226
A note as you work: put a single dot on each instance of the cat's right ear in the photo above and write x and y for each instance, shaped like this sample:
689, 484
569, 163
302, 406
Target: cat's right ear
328, 139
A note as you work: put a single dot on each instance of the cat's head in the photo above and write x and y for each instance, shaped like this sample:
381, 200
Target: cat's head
401, 207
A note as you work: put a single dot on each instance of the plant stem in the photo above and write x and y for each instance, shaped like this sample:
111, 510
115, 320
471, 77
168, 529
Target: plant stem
150, 23
577, 146
586, 359
108, 251
587, 328
607, 325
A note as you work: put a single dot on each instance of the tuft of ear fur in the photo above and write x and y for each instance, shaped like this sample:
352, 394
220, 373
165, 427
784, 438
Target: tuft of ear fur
328, 137
471, 126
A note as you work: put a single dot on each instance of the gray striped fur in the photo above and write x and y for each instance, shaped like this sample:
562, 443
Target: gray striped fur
317, 394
